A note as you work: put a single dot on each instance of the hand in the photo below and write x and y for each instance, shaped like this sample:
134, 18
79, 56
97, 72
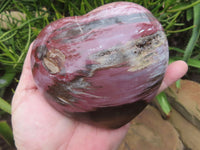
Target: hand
37, 126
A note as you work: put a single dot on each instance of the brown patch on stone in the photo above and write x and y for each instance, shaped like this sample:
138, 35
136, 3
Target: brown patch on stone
63, 92
138, 54
54, 61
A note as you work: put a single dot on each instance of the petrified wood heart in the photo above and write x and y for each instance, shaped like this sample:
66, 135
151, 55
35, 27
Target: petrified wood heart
104, 67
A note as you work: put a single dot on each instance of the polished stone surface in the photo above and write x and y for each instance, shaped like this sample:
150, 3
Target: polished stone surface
104, 67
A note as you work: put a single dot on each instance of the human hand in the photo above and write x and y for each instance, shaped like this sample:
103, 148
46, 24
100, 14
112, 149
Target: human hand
37, 126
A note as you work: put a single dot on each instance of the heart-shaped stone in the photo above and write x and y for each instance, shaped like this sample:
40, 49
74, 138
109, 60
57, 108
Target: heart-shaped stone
104, 67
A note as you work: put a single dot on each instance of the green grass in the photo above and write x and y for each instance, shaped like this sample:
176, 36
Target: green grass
180, 20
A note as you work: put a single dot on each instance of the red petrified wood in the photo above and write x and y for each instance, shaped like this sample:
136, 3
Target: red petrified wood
104, 67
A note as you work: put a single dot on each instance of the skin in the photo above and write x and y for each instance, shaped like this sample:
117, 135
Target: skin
37, 126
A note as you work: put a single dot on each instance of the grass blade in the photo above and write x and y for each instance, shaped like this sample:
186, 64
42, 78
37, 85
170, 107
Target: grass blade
5, 106
75, 11
7, 78
164, 104
178, 84
5, 4
6, 133
195, 33
184, 7
194, 63
87, 4
181, 30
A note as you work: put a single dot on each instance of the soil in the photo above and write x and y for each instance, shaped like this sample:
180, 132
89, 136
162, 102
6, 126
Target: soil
193, 76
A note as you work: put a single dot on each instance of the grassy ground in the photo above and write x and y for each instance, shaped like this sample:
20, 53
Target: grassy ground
22, 20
